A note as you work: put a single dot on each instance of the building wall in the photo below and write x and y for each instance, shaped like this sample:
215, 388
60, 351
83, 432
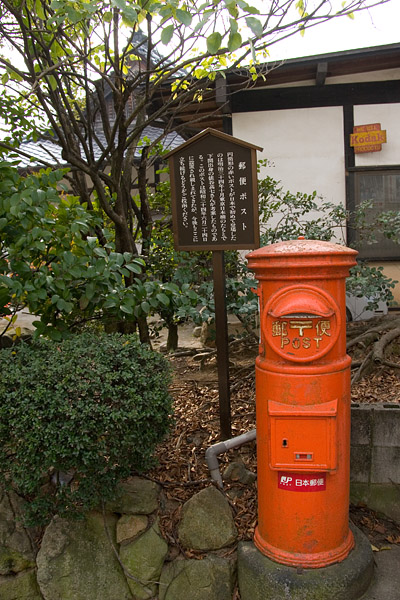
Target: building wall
307, 147
388, 115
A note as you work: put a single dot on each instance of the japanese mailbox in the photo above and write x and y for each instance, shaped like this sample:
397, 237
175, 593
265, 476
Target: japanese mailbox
303, 403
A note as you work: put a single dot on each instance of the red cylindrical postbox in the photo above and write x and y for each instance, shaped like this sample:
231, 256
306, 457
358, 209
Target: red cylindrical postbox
303, 403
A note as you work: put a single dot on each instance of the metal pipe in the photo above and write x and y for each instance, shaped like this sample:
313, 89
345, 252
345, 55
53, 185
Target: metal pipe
213, 451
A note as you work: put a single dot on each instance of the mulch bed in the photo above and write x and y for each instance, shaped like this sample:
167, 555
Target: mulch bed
182, 470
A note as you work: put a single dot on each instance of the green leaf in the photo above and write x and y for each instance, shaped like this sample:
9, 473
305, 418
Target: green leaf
255, 25
214, 42
39, 10
121, 4
234, 42
129, 16
110, 303
83, 303
52, 82
171, 287
163, 298
233, 25
232, 9
166, 34
183, 17
127, 308
145, 307
134, 268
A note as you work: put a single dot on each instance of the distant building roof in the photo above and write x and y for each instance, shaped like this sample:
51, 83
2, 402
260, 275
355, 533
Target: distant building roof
47, 151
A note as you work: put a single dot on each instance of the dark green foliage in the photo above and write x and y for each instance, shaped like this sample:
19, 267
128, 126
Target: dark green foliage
93, 406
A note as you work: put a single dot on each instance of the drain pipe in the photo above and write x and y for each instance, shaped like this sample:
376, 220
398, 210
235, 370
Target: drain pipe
213, 451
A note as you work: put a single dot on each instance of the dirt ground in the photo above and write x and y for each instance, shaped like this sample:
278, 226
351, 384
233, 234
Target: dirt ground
182, 469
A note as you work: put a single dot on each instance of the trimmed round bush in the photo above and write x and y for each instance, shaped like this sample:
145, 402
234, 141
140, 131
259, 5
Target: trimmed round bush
78, 416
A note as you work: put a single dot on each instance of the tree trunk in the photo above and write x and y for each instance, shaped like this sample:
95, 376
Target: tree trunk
144, 333
172, 340
124, 242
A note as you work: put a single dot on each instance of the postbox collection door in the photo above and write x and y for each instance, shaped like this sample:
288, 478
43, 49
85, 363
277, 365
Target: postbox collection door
303, 440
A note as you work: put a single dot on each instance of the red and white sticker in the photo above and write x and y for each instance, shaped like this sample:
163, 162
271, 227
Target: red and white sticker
298, 482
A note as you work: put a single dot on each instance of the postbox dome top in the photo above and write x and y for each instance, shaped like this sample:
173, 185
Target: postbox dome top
302, 246
290, 258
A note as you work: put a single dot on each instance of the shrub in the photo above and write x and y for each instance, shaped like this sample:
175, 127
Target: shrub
92, 407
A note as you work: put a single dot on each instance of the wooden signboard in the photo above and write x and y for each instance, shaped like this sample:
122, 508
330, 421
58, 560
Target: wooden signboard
214, 193
215, 207
367, 138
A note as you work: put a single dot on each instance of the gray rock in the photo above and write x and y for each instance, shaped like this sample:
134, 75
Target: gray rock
197, 332
76, 561
207, 336
12, 561
16, 550
20, 587
10, 338
144, 558
129, 526
136, 496
209, 579
207, 522
237, 471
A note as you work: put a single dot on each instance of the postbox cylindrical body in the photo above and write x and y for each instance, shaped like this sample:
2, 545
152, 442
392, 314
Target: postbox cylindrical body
303, 403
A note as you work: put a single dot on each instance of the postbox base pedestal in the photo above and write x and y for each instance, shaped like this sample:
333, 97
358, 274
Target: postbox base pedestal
262, 579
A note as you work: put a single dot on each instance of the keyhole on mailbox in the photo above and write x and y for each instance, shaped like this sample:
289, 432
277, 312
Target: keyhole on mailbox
285, 443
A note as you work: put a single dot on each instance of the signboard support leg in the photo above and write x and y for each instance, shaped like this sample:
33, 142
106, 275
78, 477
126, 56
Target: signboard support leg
221, 326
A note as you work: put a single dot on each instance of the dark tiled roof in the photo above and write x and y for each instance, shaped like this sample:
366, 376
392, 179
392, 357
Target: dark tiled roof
48, 152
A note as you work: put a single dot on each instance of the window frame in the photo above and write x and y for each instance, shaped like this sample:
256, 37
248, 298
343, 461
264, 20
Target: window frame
353, 188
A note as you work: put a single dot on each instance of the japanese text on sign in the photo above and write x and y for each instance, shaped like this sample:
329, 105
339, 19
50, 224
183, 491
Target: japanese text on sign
214, 193
297, 482
214, 197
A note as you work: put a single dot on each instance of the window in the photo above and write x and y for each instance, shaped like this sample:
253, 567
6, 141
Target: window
382, 189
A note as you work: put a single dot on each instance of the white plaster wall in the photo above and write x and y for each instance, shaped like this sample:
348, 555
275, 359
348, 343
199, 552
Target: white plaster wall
388, 115
305, 145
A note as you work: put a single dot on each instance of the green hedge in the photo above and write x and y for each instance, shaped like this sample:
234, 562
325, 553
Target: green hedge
93, 407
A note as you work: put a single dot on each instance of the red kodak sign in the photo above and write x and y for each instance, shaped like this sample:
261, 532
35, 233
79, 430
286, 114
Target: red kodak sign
367, 138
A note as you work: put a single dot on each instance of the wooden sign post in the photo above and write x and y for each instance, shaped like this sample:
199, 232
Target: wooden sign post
215, 207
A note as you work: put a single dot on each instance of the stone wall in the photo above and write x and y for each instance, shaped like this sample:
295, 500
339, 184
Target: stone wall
120, 554
375, 457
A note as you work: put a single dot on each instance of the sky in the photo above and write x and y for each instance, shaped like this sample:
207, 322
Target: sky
376, 27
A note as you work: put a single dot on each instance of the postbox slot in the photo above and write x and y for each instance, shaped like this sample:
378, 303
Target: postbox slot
303, 302
277, 409
303, 437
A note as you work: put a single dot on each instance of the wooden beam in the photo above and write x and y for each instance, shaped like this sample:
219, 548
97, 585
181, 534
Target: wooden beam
377, 92
322, 72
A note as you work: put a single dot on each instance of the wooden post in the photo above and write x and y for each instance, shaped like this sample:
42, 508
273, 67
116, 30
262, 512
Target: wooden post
215, 208
221, 327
